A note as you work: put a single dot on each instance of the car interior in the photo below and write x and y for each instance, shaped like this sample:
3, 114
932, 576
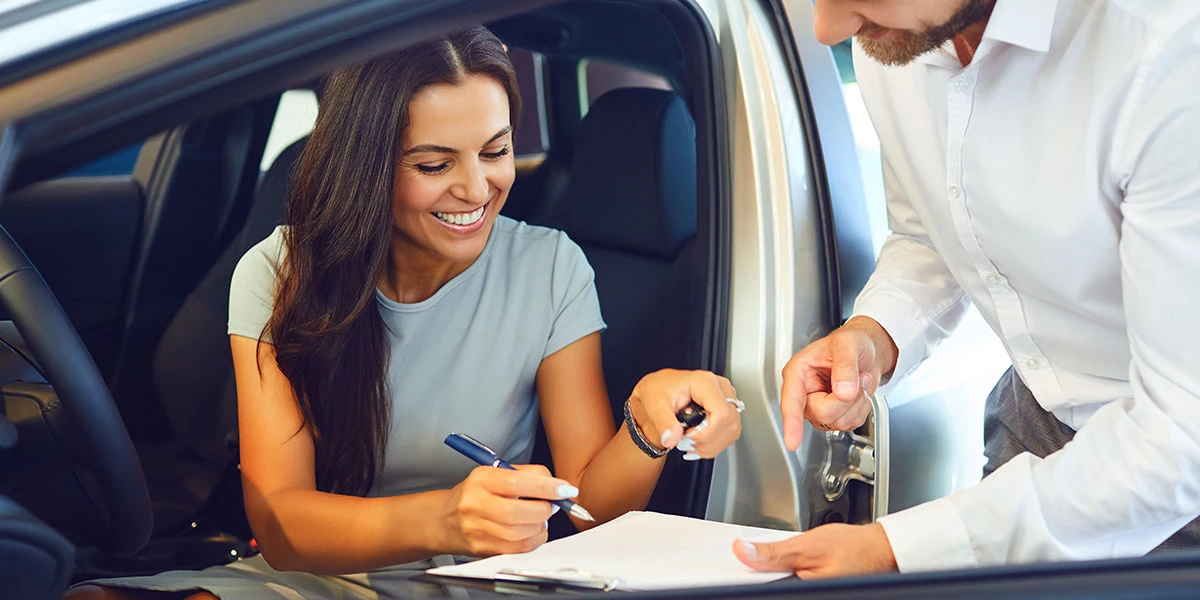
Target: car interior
139, 246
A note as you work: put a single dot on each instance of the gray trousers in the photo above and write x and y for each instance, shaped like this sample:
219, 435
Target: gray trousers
1013, 422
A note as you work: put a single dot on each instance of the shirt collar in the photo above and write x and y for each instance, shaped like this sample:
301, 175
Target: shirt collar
1025, 23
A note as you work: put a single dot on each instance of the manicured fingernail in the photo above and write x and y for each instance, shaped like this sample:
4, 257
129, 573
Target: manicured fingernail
691, 456
866, 382
750, 551
686, 445
665, 436
843, 388
554, 510
566, 490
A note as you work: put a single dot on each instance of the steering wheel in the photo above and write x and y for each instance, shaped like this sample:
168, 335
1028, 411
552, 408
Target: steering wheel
98, 438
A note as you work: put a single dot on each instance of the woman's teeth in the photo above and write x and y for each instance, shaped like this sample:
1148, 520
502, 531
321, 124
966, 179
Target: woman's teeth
461, 218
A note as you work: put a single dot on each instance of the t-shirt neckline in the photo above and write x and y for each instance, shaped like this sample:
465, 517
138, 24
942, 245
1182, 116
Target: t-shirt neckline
406, 307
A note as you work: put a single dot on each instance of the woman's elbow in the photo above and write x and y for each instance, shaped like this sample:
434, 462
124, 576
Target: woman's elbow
279, 556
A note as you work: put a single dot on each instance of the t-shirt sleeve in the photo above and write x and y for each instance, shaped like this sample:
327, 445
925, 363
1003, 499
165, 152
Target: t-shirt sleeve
252, 289
576, 304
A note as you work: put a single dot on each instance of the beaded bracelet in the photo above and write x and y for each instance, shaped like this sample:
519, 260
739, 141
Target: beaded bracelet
640, 440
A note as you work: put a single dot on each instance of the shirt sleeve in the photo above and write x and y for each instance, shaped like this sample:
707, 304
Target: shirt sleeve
252, 289
1131, 476
911, 292
576, 304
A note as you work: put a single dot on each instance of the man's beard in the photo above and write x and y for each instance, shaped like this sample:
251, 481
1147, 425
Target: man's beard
901, 46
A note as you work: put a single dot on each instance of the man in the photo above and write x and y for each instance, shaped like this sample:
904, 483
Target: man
1042, 161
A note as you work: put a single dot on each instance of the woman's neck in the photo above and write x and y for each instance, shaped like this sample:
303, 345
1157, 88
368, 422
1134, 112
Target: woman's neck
414, 274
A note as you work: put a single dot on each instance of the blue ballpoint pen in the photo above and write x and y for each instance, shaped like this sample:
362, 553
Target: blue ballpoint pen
474, 450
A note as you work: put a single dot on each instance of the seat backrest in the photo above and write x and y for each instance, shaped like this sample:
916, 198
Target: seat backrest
631, 206
35, 560
193, 369
197, 180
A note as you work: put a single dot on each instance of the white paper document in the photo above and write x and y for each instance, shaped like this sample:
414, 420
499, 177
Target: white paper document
645, 550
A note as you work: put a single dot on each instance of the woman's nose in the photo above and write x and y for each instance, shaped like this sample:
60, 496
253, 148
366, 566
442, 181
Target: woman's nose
473, 187
835, 21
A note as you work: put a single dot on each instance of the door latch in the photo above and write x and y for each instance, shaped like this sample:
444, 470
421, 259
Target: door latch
848, 457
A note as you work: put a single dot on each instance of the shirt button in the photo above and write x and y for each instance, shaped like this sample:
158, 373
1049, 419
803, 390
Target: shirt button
1033, 363
993, 279
955, 192
961, 83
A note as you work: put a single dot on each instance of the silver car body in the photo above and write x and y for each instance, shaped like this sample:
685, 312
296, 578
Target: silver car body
925, 439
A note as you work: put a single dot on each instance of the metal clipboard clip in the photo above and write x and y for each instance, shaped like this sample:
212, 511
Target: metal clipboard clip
567, 576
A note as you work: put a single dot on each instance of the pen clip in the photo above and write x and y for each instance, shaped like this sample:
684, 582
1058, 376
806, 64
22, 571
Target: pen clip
565, 576
477, 443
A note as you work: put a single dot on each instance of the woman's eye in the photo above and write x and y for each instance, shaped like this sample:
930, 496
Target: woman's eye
494, 155
432, 168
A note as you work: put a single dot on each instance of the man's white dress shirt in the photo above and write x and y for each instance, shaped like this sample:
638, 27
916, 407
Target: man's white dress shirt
1054, 183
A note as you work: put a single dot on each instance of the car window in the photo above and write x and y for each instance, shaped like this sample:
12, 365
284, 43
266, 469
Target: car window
602, 76
120, 162
867, 143
294, 119
297, 113
531, 136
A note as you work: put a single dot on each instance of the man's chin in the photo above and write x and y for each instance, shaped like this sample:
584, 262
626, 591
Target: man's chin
896, 49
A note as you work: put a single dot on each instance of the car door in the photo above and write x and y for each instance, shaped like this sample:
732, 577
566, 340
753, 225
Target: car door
807, 245
935, 413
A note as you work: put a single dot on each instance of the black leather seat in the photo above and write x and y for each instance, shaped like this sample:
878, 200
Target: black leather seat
193, 369
35, 560
631, 205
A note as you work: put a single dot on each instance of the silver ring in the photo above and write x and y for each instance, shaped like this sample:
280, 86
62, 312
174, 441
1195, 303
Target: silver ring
738, 404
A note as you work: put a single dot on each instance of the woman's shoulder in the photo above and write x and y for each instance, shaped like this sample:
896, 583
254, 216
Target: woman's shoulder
264, 257
542, 258
252, 289
534, 243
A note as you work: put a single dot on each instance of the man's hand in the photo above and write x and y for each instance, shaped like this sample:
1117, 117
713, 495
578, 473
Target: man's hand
833, 550
828, 381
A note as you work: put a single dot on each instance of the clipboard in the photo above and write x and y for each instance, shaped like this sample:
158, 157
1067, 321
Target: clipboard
626, 554
520, 584
568, 577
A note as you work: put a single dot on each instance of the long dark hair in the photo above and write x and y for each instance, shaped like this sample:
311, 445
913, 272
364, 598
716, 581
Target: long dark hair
330, 340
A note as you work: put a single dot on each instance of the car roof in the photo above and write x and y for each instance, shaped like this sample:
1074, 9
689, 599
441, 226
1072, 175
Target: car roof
29, 27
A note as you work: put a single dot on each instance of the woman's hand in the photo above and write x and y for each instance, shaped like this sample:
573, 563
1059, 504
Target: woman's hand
498, 511
659, 395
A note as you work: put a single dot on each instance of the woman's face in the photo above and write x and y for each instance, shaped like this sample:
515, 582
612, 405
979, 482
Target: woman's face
454, 168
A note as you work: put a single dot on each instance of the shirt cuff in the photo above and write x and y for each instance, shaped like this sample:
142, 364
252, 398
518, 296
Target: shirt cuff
929, 537
903, 323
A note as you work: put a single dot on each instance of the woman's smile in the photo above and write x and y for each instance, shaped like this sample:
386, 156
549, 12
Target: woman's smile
463, 222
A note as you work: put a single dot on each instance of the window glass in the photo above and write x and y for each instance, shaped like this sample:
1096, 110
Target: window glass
530, 136
294, 119
600, 76
118, 163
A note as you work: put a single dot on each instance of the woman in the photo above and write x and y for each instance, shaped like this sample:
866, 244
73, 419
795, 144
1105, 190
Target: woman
398, 307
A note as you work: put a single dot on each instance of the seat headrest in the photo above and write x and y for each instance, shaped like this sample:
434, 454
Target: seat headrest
633, 173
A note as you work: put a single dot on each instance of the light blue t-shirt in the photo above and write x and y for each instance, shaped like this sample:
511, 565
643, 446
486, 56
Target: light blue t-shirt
466, 359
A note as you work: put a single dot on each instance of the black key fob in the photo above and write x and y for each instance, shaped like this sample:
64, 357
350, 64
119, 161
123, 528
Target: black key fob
691, 415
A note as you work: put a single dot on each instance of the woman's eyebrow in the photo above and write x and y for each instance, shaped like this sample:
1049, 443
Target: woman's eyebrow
499, 134
429, 148
444, 150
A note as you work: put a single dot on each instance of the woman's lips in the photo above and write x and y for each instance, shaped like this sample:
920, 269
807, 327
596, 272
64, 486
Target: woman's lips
479, 215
